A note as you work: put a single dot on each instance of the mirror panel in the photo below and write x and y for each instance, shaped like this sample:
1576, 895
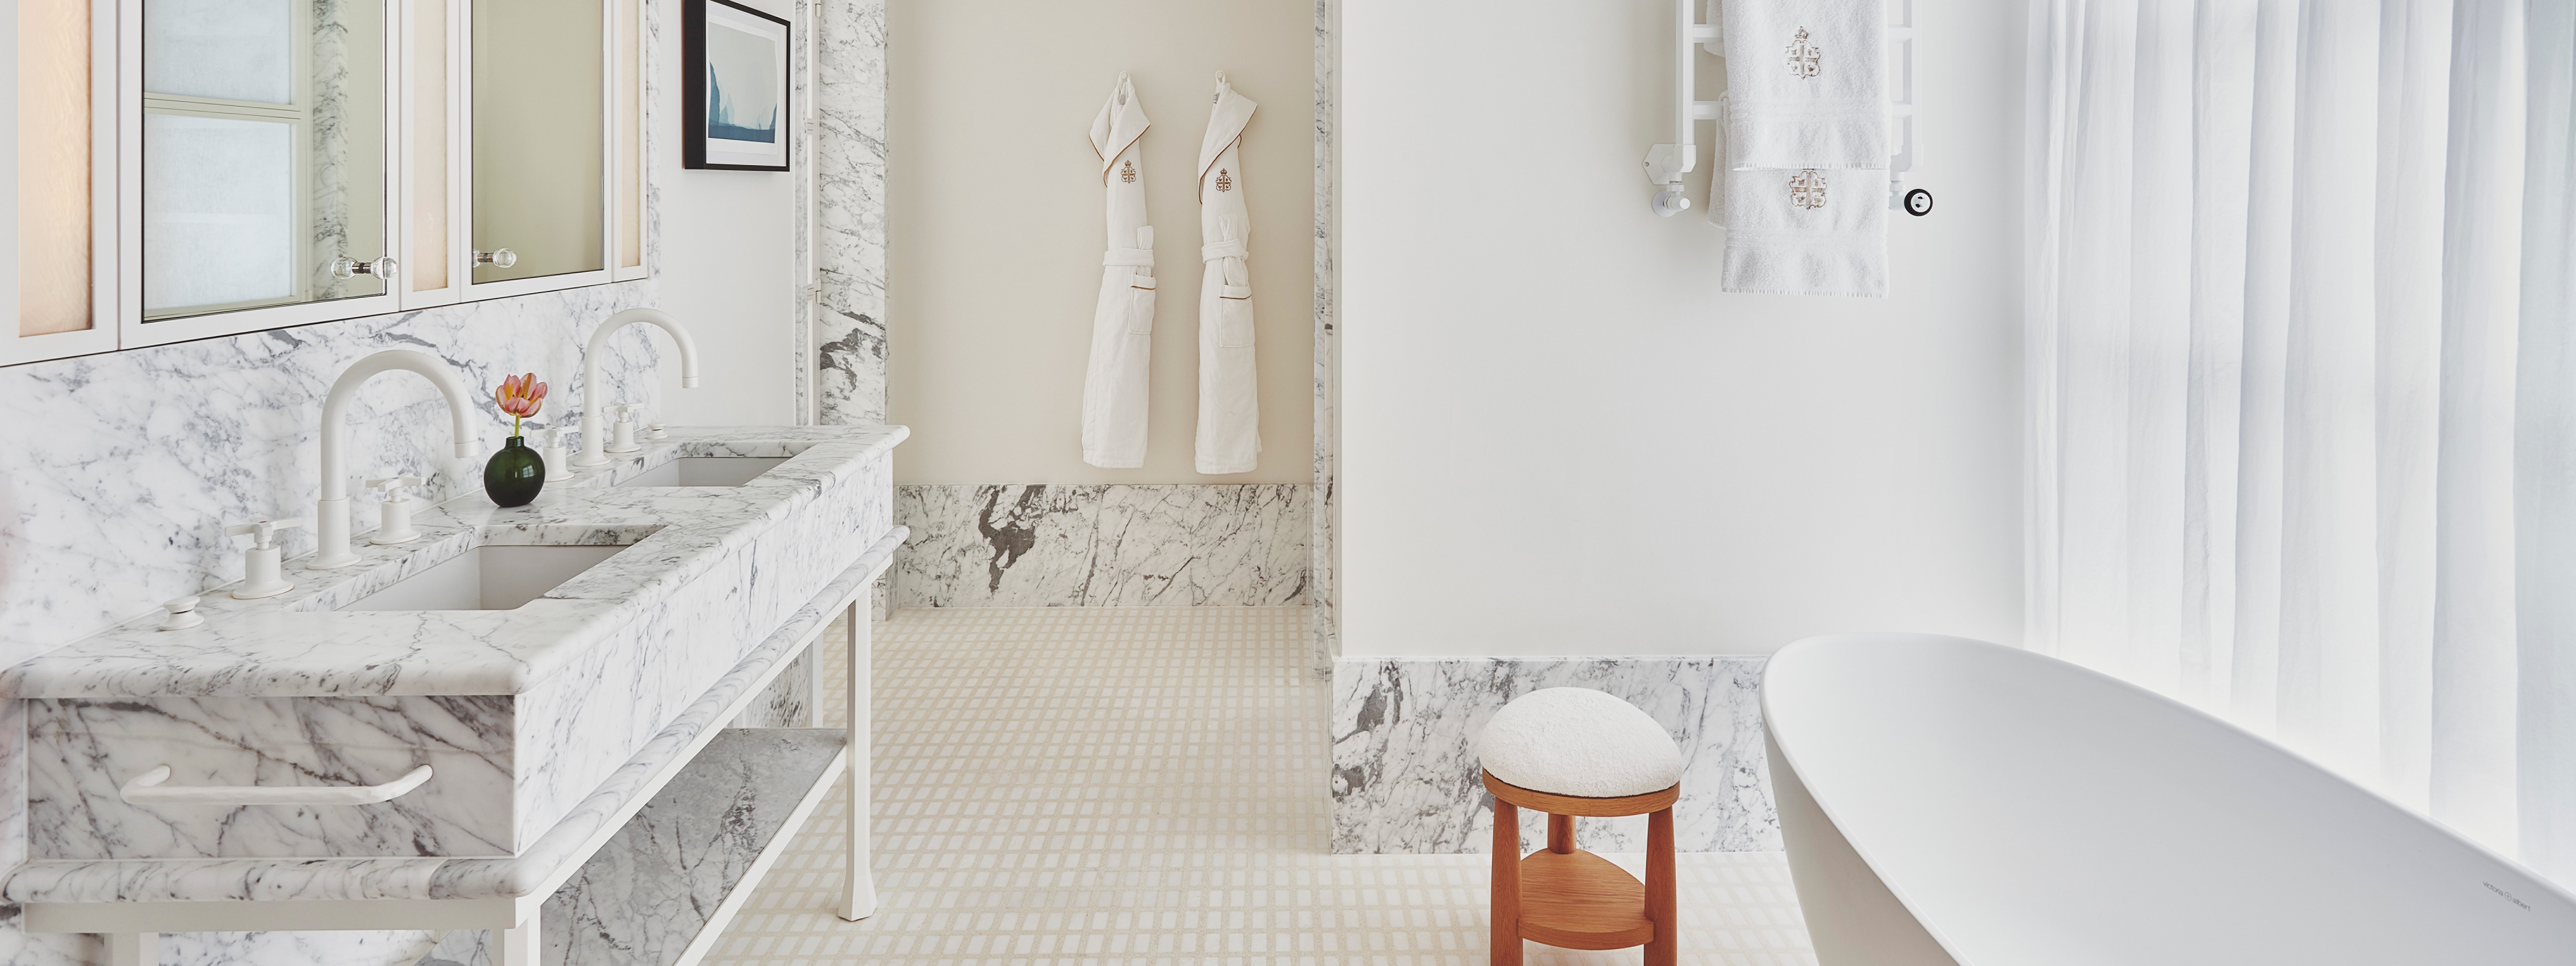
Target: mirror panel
54, 238
539, 128
263, 153
429, 124
630, 133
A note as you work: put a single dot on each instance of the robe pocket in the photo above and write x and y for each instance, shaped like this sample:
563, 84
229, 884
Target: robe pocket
1140, 306
1234, 316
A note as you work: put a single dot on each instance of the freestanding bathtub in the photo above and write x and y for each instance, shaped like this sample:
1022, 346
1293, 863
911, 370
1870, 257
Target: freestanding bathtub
1949, 801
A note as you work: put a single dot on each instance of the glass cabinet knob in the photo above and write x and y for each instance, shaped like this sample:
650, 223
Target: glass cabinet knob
346, 267
500, 258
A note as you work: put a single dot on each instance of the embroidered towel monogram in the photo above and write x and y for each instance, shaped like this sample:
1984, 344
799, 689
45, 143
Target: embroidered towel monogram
1804, 59
1809, 81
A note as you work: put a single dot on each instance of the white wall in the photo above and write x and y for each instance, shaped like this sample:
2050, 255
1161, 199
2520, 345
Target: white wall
993, 218
728, 266
1559, 437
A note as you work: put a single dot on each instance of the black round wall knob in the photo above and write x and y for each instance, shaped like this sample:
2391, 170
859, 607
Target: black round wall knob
1918, 202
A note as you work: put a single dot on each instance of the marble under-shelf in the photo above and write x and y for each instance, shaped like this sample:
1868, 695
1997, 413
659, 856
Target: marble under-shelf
662, 883
523, 713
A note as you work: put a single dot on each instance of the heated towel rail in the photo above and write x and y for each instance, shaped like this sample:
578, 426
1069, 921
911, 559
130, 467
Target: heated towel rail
1666, 163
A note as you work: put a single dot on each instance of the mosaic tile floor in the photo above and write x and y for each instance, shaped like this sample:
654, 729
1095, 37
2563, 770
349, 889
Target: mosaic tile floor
1096, 786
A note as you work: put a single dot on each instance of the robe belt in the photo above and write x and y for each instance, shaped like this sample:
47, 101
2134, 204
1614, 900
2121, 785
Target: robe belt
1236, 248
1139, 257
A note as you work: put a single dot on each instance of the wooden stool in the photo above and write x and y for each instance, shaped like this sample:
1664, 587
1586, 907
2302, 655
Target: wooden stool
1564, 896
1574, 752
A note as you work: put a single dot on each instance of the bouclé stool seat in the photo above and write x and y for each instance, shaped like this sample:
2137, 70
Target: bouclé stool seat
1581, 742
1576, 752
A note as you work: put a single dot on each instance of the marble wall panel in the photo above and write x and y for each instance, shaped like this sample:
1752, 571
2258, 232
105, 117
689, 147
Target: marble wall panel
1103, 545
1325, 590
849, 174
1405, 778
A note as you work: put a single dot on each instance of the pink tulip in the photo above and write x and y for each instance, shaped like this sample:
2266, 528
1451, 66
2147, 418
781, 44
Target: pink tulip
520, 396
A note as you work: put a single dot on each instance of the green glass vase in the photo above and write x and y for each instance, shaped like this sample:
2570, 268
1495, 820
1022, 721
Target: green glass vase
515, 474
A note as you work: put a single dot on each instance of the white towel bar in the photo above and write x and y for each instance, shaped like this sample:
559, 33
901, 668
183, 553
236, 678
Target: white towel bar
146, 789
1666, 163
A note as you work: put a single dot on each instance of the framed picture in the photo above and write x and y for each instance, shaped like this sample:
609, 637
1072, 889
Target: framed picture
734, 70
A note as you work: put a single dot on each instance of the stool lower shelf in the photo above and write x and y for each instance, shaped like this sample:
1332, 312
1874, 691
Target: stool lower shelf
1578, 900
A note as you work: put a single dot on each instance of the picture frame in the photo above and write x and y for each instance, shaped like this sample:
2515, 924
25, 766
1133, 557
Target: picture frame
734, 87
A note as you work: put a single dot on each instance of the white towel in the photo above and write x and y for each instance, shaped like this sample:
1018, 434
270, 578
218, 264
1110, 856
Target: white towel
1802, 231
1809, 79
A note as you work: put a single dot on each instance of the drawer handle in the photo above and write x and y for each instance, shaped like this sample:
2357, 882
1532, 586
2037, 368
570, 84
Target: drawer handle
146, 789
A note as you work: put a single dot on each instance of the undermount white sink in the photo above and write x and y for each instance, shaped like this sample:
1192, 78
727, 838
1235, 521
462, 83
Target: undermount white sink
706, 471
488, 578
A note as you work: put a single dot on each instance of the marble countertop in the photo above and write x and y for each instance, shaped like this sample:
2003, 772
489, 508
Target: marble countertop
537, 870
296, 645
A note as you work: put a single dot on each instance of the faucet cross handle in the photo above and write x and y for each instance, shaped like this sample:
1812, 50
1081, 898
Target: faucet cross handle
622, 435
393, 524
260, 564
263, 533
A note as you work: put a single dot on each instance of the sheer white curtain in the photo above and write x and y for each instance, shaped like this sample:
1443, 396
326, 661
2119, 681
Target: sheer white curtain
2302, 382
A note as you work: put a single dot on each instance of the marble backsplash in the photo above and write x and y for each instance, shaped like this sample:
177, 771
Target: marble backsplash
1103, 545
126, 467
1405, 778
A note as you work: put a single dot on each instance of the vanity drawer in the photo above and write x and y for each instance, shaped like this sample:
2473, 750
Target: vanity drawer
82, 753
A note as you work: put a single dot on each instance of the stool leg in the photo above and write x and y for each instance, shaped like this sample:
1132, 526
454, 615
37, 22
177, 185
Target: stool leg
1507, 884
1665, 948
1560, 834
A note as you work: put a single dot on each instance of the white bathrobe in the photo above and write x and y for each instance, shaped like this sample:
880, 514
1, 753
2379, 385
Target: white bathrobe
1229, 437
1122, 326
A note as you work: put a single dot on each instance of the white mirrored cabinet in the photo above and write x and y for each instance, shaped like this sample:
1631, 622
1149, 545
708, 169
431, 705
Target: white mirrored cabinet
539, 180
264, 197
197, 168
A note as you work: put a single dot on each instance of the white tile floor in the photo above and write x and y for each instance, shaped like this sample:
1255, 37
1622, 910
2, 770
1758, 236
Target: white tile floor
1089, 786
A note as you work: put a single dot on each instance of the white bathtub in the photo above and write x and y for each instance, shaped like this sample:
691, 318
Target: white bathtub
1949, 801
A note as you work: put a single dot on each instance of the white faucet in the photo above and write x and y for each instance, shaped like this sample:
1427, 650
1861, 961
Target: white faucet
331, 528
593, 451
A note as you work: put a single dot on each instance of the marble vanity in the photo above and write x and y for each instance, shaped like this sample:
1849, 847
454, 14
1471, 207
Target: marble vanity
557, 667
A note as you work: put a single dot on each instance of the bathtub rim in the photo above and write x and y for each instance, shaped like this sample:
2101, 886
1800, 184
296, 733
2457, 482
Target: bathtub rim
1773, 735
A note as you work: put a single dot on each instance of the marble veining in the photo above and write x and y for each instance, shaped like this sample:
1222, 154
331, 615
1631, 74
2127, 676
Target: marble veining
788, 702
587, 674
539, 866
129, 464
1323, 573
328, 208
1103, 545
292, 645
849, 335
90, 748
1405, 777
658, 883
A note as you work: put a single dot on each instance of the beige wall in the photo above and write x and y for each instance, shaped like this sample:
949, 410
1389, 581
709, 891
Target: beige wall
994, 233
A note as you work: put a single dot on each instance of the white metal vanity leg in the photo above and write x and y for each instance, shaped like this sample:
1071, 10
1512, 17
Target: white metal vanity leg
134, 949
521, 945
859, 888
